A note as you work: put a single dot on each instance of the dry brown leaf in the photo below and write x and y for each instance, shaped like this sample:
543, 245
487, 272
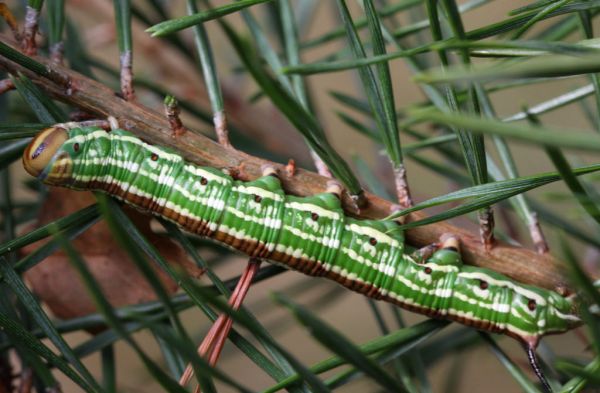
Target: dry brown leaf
58, 284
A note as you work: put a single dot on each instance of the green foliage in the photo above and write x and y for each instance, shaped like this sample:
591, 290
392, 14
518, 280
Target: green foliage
453, 130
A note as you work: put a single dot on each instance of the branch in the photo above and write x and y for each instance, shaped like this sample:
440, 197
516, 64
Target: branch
518, 263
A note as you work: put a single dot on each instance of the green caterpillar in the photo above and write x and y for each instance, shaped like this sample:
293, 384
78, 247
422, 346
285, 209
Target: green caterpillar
308, 234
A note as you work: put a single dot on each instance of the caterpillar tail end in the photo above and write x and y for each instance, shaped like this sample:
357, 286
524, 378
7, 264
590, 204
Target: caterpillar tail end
42, 148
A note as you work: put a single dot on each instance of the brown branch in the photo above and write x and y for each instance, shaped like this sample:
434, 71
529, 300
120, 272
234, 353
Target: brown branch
521, 264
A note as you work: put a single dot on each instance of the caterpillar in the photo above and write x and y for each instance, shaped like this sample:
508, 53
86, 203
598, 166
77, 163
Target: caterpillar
309, 234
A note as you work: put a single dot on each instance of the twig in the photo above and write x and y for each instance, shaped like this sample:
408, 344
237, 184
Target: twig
402, 190
57, 52
6, 85
172, 112
26, 381
220, 122
104, 124
521, 264
126, 61
537, 236
486, 228
290, 168
32, 17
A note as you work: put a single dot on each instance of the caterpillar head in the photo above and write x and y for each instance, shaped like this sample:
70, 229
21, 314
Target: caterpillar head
49, 156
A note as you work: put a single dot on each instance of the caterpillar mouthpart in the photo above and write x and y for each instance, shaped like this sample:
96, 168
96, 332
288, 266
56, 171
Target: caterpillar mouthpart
42, 149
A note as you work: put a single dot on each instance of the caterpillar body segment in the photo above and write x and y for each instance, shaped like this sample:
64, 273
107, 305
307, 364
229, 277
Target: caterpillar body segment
309, 234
